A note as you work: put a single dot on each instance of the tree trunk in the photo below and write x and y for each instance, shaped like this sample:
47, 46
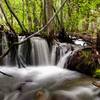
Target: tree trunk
28, 15
61, 16
98, 42
49, 14
1, 47
44, 13
23, 5
35, 19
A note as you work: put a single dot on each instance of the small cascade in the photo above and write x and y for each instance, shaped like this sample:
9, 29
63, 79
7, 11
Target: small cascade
58, 51
62, 53
64, 59
35, 52
40, 51
7, 40
4, 48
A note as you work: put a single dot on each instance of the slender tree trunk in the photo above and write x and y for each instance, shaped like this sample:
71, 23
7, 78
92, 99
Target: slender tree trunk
1, 47
61, 16
29, 15
98, 42
41, 12
1, 61
23, 5
44, 17
35, 20
44, 13
49, 14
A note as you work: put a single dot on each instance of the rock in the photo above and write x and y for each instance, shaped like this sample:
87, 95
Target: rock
84, 61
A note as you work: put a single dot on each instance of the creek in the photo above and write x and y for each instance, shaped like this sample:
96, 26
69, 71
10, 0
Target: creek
45, 68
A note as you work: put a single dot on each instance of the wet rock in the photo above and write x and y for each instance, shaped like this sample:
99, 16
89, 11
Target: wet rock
83, 61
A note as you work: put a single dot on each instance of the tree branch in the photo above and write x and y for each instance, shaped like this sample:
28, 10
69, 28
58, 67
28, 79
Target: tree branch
3, 12
38, 32
10, 9
6, 74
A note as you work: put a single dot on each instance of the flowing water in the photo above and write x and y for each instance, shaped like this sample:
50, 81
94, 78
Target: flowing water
35, 52
21, 83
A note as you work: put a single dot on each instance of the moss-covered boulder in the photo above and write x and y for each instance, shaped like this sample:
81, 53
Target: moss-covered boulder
84, 61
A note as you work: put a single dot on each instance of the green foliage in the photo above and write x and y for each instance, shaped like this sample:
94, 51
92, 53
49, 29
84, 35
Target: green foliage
78, 15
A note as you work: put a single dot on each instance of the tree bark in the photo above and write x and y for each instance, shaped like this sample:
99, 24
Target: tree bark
98, 41
35, 20
44, 13
61, 16
49, 14
29, 15
23, 12
1, 48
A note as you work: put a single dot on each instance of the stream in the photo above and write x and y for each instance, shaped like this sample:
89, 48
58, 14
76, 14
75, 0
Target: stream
44, 69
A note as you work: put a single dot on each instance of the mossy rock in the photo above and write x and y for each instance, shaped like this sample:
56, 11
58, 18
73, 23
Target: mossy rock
84, 62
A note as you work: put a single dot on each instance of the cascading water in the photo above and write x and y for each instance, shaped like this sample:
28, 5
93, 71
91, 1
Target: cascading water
11, 58
35, 52
20, 84
4, 48
40, 50
58, 51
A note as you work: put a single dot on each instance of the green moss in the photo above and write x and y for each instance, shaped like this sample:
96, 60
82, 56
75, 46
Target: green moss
85, 62
97, 73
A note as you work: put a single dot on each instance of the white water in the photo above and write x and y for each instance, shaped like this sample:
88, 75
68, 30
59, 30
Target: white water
4, 48
33, 78
44, 76
64, 59
78, 93
80, 42
58, 51
38, 53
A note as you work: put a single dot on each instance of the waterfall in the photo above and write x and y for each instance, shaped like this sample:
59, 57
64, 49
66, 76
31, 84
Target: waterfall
21, 83
4, 48
58, 51
7, 40
40, 51
64, 59
35, 52
62, 53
